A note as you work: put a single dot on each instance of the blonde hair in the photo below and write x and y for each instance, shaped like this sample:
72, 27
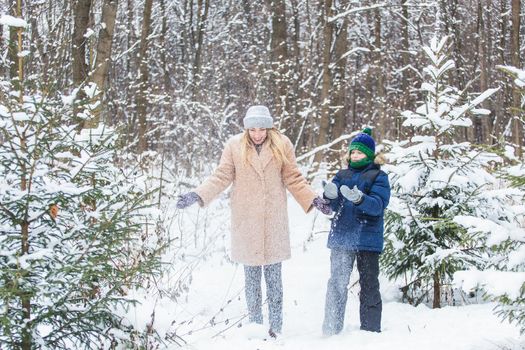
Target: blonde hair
275, 141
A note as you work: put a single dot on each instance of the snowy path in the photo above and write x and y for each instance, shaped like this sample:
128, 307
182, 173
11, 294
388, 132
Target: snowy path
217, 293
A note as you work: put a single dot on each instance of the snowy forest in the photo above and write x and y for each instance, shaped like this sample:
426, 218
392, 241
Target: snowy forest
111, 109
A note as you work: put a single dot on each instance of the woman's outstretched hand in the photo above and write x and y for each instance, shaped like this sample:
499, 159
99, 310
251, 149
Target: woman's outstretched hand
188, 199
323, 205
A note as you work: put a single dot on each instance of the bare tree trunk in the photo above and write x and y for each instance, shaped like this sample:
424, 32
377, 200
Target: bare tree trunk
202, 16
105, 41
340, 83
131, 65
490, 20
339, 89
164, 56
142, 96
503, 27
297, 71
80, 68
505, 98
380, 98
482, 125
436, 304
131, 38
279, 60
12, 48
303, 135
324, 125
458, 45
515, 61
3, 46
64, 46
186, 38
20, 59
24, 225
405, 87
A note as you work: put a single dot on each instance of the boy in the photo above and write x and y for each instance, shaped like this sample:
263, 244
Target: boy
359, 196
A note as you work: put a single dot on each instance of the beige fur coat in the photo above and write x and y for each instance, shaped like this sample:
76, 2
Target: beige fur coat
259, 215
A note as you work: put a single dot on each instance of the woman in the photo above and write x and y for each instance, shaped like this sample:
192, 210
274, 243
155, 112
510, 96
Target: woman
260, 164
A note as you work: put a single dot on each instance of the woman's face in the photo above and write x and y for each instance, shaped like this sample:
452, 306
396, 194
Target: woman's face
257, 135
357, 155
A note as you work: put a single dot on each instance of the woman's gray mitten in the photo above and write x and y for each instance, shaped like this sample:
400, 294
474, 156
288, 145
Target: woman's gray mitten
353, 195
330, 190
188, 199
323, 205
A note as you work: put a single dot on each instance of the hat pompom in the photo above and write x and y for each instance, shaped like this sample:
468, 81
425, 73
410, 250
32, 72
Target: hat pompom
367, 131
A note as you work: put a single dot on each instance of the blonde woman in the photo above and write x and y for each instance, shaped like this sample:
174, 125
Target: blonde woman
260, 165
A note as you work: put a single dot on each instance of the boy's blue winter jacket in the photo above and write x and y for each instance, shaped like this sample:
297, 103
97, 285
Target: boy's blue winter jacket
359, 227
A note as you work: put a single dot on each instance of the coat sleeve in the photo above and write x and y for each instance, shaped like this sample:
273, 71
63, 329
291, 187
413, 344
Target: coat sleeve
295, 181
221, 178
377, 200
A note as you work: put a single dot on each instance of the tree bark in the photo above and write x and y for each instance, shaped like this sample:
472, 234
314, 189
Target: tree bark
164, 56
25, 297
295, 92
339, 88
13, 42
515, 61
131, 65
380, 98
405, 86
202, 16
105, 42
505, 98
325, 101
302, 135
503, 29
16, 67
142, 96
3, 46
436, 304
80, 67
279, 61
482, 124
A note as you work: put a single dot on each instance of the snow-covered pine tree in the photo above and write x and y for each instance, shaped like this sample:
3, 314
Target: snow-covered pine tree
72, 228
510, 250
505, 280
439, 188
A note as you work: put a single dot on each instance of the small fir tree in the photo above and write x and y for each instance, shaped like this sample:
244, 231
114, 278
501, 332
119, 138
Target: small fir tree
504, 281
512, 307
73, 228
439, 188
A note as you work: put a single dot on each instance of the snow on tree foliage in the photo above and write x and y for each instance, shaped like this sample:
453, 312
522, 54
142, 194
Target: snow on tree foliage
72, 228
504, 281
443, 191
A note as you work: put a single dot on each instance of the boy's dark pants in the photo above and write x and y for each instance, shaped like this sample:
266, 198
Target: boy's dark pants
341, 263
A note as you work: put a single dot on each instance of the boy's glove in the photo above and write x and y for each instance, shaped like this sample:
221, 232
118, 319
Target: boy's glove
322, 205
330, 190
353, 195
188, 199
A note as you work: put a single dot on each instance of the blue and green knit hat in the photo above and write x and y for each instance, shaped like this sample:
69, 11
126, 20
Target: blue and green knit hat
364, 143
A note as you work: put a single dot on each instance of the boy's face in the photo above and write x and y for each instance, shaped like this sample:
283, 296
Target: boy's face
357, 155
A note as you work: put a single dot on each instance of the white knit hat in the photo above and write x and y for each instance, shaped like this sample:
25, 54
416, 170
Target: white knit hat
258, 117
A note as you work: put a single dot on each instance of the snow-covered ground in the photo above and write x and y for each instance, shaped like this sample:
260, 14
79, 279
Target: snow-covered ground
212, 313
